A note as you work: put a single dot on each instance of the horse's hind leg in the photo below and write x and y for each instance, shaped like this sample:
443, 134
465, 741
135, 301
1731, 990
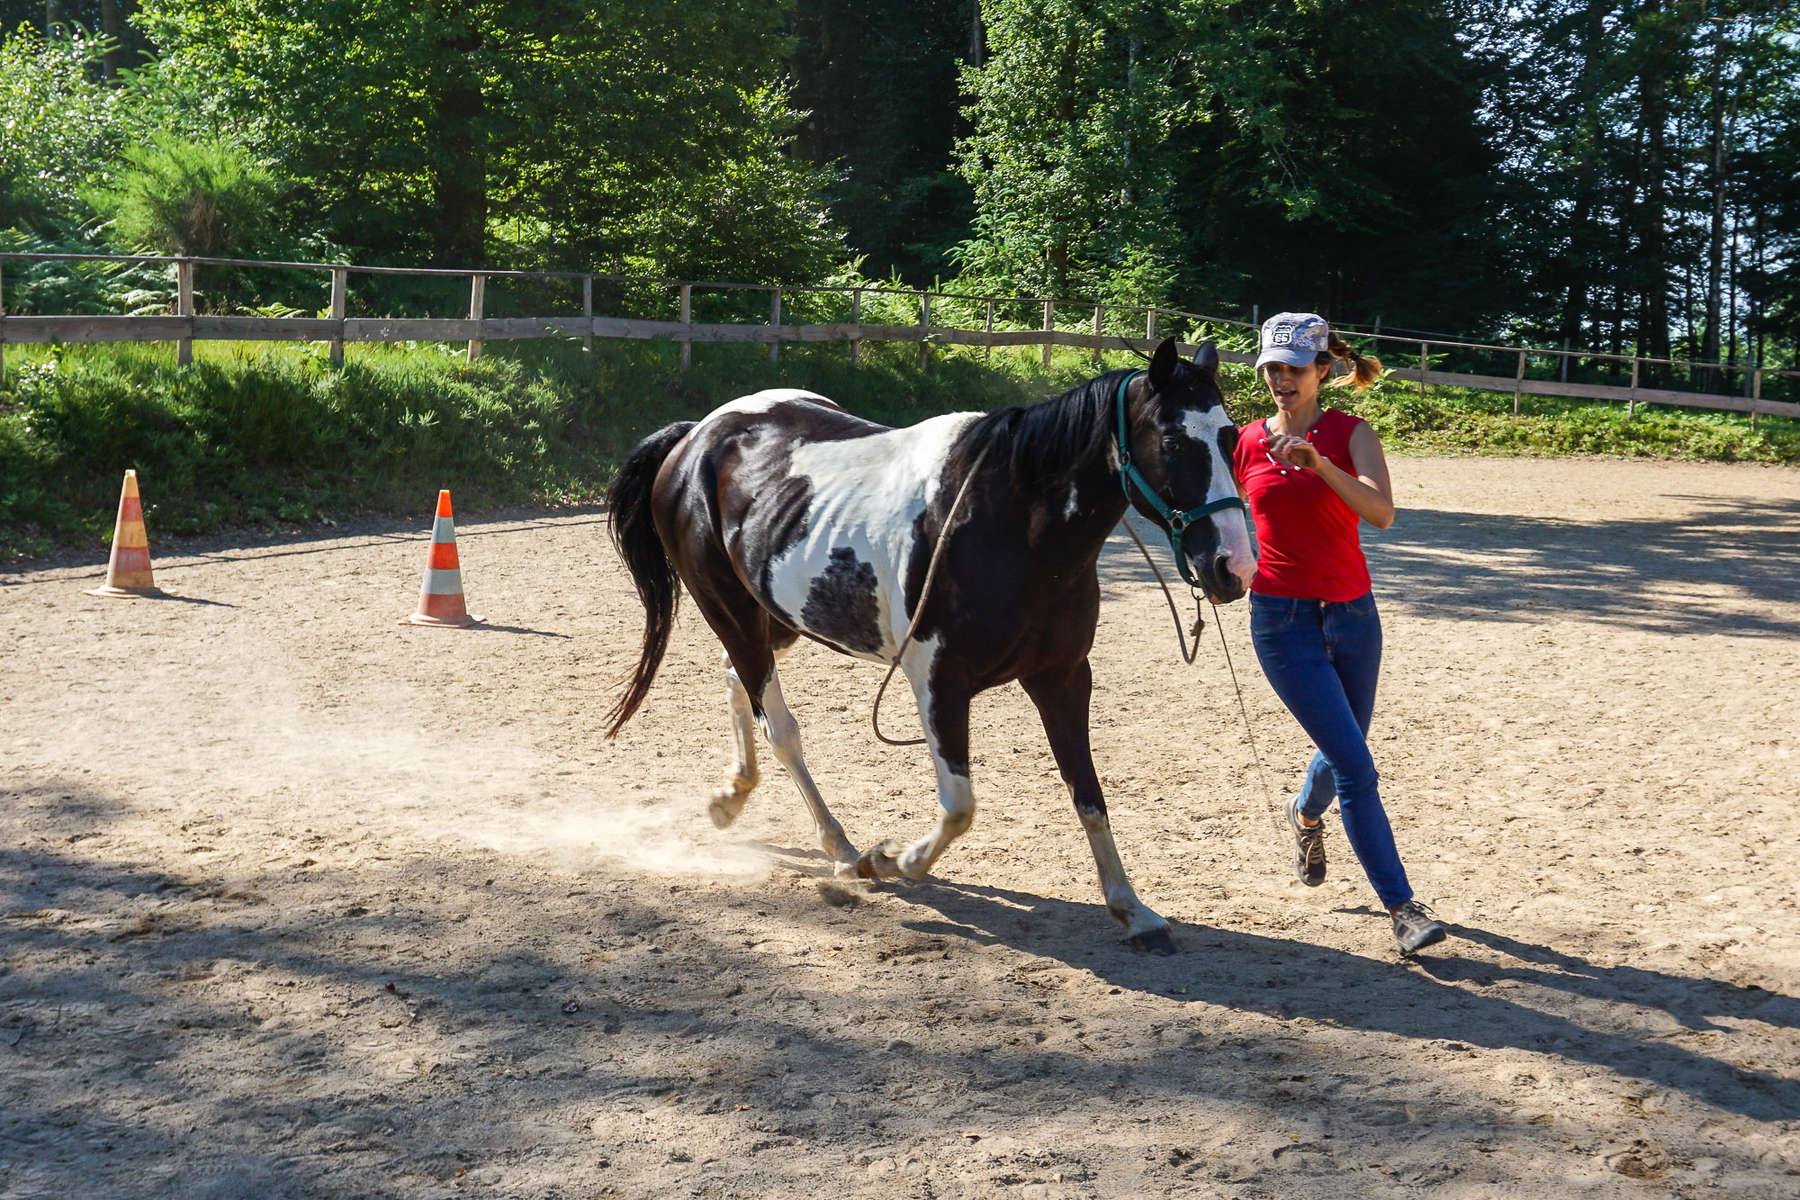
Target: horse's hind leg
728, 799
1062, 704
784, 739
751, 640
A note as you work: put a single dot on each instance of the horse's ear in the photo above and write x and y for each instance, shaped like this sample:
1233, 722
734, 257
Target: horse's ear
1162, 365
1207, 357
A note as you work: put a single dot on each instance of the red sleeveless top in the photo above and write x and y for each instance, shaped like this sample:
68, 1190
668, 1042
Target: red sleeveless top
1309, 546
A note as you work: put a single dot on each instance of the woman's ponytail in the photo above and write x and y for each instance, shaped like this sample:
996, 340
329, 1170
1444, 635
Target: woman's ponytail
1364, 368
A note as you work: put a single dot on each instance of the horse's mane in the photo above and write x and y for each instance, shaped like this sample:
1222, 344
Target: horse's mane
1044, 442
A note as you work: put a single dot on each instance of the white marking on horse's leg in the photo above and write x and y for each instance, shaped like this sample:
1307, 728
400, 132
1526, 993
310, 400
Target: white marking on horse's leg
784, 737
1121, 901
956, 812
728, 799
956, 796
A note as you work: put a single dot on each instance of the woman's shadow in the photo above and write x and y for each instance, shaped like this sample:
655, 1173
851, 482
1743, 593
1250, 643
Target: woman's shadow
1618, 1017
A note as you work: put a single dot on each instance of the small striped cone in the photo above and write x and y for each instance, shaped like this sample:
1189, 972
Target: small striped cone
441, 595
128, 570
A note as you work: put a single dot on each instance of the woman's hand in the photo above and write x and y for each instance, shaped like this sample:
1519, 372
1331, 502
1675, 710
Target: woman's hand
1296, 452
1369, 493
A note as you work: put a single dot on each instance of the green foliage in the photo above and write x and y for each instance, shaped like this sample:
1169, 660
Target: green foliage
883, 113
1461, 421
98, 288
256, 437
1069, 157
205, 199
567, 133
59, 126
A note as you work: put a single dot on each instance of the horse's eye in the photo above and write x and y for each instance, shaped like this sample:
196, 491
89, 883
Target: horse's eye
1172, 445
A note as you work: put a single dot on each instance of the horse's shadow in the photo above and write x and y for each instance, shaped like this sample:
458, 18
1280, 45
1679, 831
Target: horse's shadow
1560, 1004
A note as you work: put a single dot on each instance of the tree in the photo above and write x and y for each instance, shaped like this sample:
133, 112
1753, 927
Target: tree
561, 131
59, 126
877, 80
1069, 157
1346, 165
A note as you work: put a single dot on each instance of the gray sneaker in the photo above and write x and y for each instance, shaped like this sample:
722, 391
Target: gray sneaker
1309, 846
1415, 927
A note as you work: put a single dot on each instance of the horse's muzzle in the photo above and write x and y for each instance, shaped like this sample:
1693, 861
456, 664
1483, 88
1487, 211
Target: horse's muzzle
1223, 585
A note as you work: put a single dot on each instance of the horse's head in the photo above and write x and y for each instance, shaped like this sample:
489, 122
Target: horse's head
1182, 441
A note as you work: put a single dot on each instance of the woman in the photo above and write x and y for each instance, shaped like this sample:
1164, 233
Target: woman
1311, 474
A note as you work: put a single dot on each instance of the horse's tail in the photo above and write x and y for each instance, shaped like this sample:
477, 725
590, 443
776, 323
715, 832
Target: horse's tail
634, 533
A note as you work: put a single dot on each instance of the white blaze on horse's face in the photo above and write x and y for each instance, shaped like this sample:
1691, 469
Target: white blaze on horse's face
1211, 428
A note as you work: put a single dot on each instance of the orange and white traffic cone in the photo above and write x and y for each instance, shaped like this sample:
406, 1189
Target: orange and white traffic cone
441, 595
128, 570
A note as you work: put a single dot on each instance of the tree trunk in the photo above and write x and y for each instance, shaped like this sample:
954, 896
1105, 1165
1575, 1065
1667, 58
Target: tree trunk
1575, 298
1653, 117
459, 170
1715, 242
109, 25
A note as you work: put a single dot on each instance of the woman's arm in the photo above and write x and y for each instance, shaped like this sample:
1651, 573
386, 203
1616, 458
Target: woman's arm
1369, 493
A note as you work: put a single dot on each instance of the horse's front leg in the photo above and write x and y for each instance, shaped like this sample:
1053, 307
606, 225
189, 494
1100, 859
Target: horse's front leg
944, 713
1062, 703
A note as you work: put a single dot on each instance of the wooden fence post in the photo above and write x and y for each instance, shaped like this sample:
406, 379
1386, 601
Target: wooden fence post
477, 302
924, 326
3, 323
340, 287
1565, 361
184, 307
1424, 366
687, 318
587, 315
1631, 400
987, 351
1755, 392
1049, 327
1149, 324
1518, 382
775, 322
856, 320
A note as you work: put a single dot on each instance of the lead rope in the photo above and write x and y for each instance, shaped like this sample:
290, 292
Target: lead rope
1188, 656
1262, 772
937, 554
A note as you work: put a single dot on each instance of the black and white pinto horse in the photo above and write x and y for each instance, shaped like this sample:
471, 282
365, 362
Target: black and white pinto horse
785, 515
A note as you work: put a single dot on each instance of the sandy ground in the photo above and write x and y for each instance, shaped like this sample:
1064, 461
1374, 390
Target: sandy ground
295, 902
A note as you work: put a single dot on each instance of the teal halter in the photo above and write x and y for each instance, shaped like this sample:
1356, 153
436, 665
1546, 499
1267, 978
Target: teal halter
1174, 522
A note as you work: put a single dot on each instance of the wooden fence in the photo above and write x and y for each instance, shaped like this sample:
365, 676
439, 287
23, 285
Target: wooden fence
185, 327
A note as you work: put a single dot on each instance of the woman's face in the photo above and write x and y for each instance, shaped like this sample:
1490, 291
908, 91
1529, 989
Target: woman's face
1294, 387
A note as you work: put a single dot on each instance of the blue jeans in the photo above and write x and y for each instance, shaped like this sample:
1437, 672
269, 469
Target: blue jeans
1323, 658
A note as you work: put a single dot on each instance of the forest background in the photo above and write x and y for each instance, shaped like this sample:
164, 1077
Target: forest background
1622, 177
1619, 177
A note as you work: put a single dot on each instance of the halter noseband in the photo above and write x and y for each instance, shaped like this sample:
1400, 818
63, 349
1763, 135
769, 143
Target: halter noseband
1174, 521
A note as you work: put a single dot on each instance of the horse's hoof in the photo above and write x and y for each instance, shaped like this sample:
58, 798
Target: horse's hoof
877, 863
1156, 941
725, 806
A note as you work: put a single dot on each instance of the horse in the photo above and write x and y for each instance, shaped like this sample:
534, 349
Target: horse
785, 516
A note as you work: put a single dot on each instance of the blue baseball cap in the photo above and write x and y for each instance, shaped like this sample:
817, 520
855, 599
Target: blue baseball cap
1294, 338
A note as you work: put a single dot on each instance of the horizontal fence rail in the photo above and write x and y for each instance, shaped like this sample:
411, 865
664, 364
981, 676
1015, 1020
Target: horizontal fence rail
185, 326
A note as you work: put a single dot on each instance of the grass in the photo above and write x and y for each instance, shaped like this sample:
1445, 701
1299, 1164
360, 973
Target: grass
272, 436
